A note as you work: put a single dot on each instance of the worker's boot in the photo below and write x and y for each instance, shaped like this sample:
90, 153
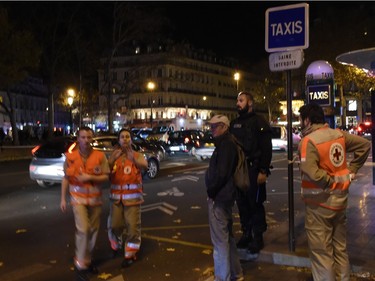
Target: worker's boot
245, 240
256, 244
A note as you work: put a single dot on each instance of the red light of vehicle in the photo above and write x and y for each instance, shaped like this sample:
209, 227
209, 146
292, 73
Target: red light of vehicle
359, 129
186, 140
198, 143
35, 149
368, 123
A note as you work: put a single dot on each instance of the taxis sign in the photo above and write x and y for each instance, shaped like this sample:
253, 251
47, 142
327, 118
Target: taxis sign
320, 94
287, 28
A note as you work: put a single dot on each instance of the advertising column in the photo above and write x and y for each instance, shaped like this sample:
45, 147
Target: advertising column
319, 88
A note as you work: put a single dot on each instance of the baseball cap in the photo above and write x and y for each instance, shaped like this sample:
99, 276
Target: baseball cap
219, 119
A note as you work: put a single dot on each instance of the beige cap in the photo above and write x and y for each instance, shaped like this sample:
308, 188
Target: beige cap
219, 119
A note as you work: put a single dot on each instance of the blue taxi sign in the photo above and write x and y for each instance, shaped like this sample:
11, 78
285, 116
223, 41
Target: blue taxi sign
287, 28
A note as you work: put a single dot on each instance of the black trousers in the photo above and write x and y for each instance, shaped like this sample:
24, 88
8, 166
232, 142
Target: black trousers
250, 205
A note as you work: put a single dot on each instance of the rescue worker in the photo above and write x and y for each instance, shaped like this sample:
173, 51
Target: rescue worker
326, 178
85, 169
126, 196
254, 134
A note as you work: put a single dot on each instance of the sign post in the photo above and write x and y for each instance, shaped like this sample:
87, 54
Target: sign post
287, 33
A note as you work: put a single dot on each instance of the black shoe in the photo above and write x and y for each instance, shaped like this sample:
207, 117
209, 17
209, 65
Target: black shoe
256, 245
93, 269
128, 262
81, 275
244, 242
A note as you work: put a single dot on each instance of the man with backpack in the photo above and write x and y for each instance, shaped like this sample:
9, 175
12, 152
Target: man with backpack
255, 136
221, 193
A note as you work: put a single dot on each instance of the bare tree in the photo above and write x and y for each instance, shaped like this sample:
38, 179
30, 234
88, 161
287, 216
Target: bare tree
19, 54
131, 23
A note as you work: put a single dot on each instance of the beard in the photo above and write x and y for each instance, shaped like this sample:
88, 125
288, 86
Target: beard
243, 110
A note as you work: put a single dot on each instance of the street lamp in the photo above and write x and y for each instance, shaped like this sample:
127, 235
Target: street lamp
237, 78
151, 87
70, 103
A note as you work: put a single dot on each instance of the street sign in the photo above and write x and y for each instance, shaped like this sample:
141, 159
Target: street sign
320, 94
287, 28
285, 60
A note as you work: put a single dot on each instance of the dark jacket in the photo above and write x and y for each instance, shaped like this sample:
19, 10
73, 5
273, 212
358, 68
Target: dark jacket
255, 135
219, 175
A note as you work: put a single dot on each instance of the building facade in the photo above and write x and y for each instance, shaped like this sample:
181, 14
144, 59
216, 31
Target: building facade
189, 84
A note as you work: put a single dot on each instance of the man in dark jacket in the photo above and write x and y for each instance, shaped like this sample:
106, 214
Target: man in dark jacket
221, 196
254, 133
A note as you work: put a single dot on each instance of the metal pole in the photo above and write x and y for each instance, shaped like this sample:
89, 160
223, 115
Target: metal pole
290, 161
71, 120
151, 111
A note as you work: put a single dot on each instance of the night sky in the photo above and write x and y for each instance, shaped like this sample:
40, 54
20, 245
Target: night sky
235, 28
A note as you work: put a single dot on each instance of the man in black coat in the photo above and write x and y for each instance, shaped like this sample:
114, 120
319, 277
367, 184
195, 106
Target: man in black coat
221, 196
255, 135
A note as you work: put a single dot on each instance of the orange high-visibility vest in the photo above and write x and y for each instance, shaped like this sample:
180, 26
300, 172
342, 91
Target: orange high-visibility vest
126, 182
330, 145
87, 193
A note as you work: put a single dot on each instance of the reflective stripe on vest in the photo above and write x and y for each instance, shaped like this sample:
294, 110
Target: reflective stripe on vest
127, 192
85, 195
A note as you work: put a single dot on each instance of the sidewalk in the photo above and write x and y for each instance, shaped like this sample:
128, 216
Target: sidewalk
276, 262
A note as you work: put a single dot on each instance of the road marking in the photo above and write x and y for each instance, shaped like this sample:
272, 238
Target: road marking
172, 192
188, 177
25, 272
174, 241
118, 278
162, 206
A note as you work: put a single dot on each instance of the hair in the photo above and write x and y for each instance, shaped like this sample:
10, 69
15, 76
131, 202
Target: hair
123, 130
312, 111
85, 128
248, 95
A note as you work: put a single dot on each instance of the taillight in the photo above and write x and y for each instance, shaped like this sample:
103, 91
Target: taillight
186, 140
35, 149
71, 148
359, 129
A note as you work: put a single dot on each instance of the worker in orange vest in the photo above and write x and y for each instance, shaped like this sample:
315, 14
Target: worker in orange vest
126, 196
326, 178
85, 169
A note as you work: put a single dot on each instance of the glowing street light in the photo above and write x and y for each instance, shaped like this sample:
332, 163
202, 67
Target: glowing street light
151, 87
237, 78
70, 103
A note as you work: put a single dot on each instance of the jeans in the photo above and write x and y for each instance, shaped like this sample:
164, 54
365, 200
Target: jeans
226, 260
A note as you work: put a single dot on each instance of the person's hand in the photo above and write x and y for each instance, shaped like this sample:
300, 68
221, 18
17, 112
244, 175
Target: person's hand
63, 205
115, 155
83, 177
129, 153
352, 176
262, 178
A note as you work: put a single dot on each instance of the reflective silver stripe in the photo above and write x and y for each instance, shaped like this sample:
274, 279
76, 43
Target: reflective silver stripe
126, 196
86, 200
84, 190
316, 191
134, 246
126, 186
343, 178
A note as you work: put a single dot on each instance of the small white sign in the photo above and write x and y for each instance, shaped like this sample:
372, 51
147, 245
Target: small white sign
286, 60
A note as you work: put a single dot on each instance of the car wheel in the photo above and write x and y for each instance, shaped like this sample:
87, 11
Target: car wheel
152, 168
45, 184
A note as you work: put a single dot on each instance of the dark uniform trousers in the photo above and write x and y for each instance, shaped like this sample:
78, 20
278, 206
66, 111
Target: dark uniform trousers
250, 205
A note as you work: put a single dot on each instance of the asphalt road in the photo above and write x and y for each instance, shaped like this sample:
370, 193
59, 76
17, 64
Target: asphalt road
37, 240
